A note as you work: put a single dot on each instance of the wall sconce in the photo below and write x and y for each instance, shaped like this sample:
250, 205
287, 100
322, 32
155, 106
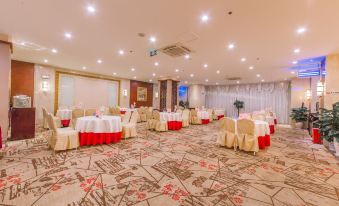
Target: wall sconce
125, 92
320, 89
45, 86
156, 95
308, 94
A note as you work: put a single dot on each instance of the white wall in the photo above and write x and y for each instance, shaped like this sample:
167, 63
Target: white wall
124, 85
196, 95
332, 80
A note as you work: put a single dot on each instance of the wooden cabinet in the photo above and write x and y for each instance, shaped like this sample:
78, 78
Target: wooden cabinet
22, 123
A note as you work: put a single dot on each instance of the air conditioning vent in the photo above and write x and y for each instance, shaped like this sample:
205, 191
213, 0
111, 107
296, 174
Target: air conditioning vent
175, 50
233, 78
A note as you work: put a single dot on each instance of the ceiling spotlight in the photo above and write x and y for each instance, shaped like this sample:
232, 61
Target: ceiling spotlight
121, 52
301, 30
206, 80
295, 62
152, 39
91, 9
84, 68
216, 83
243, 59
99, 61
114, 73
218, 71
292, 72
177, 70
204, 18
258, 75
231, 46
153, 74
45, 60
262, 80
186, 82
150, 80
296, 51
191, 75
55, 51
205, 65
134, 77
132, 69
68, 35
187, 56
156, 63
238, 82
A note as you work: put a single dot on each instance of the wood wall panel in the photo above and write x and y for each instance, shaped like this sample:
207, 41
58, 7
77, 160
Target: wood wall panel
22, 79
163, 94
133, 93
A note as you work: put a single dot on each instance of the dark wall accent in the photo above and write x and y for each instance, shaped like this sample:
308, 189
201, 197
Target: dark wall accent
174, 94
22, 79
133, 93
163, 94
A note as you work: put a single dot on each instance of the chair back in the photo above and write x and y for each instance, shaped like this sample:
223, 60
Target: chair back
194, 113
245, 126
44, 112
230, 125
148, 114
90, 112
126, 117
210, 111
51, 123
76, 113
222, 124
156, 115
134, 118
186, 114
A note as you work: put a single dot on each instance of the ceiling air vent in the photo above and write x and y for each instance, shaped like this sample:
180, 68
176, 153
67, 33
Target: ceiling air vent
175, 50
233, 78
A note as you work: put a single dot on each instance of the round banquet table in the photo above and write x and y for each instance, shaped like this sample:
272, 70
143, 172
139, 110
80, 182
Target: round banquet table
270, 121
220, 113
124, 110
204, 116
65, 116
174, 120
262, 131
99, 130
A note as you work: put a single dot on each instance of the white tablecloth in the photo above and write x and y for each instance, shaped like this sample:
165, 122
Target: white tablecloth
262, 128
127, 109
203, 115
64, 114
165, 116
219, 112
105, 124
270, 120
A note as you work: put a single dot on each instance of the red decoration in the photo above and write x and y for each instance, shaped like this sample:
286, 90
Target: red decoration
174, 125
220, 116
272, 130
275, 121
99, 138
122, 112
316, 136
65, 122
262, 142
205, 121
267, 140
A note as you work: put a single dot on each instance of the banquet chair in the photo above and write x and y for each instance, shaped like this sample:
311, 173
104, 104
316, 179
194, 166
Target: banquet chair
160, 125
115, 111
246, 139
185, 118
227, 135
126, 118
130, 129
62, 138
148, 115
45, 119
142, 114
194, 119
151, 121
90, 112
210, 114
76, 113
214, 115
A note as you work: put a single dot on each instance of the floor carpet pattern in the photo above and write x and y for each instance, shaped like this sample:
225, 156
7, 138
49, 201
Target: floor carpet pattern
183, 167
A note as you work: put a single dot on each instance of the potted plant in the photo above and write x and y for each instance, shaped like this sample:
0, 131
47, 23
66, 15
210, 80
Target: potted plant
335, 127
239, 105
299, 115
329, 128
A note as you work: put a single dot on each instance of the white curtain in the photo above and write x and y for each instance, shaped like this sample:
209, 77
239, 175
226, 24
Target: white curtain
274, 95
66, 91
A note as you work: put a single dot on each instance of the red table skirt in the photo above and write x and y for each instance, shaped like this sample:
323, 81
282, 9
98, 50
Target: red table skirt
316, 136
98, 138
275, 121
174, 125
220, 116
272, 129
205, 121
122, 112
264, 141
65, 122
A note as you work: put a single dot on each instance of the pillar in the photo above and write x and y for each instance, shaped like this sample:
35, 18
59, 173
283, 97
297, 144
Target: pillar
168, 94
331, 80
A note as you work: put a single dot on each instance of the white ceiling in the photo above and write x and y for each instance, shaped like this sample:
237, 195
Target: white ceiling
262, 29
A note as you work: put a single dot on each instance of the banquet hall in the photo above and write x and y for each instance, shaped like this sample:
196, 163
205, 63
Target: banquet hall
171, 102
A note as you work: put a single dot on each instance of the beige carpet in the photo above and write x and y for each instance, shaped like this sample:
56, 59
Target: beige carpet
172, 168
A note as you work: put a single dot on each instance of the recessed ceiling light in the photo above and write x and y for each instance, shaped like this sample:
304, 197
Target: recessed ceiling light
45, 60
204, 18
114, 73
91, 9
251, 67
238, 82
187, 56
191, 75
295, 62
121, 52
156, 63
258, 75
134, 77
231, 46
243, 59
216, 83
301, 30
99, 61
292, 72
205, 65
218, 71
152, 39
54, 50
206, 80
296, 51
153, 74
186, 82
150, 80
132, 69
262, 80
84, 68
68, 35
177, 70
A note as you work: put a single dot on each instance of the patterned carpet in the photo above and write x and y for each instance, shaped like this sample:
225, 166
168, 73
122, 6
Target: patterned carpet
172, 168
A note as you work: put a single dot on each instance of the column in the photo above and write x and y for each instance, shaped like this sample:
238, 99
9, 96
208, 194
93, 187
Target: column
168, 94
5, 69
331, 80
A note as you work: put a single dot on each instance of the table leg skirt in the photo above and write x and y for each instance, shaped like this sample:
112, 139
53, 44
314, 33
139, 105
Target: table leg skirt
272, 129
174, 125
122, 112
267, 140
275, 121
205, 121
262, 142
220, 116
316, 136
65, 122
89, 138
